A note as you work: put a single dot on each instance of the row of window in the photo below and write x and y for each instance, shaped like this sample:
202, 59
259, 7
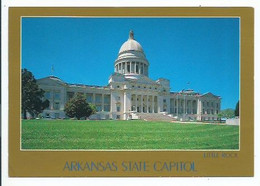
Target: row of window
56, 95
208, 118
209, 104
90, 98
56, 106
181, 111
208, 111
155, 88
149, 99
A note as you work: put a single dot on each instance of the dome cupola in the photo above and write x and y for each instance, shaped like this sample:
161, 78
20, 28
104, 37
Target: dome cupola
131, 58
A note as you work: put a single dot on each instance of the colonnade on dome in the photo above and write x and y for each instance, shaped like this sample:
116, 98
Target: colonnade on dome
131, 67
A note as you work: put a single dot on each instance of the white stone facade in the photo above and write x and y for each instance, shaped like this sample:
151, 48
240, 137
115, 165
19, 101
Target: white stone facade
130, 91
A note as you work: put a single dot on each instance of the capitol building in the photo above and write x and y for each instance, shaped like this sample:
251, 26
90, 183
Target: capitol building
131, 94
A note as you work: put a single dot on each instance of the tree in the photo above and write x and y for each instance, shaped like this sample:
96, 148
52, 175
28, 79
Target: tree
78, 107
32, 95
237, 109
93, 108
227, 113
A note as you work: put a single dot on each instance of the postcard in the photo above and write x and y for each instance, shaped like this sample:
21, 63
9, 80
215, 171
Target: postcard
131, 92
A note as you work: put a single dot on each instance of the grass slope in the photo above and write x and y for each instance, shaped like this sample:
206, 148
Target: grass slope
70, 134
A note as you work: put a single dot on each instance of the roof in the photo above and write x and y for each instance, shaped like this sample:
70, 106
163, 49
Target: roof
54, 78
131, 44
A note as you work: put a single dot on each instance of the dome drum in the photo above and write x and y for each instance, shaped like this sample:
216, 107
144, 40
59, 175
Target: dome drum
131, 58
132, 67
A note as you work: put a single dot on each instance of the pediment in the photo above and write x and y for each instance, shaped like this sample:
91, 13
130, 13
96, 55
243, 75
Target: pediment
209, 95
51, 81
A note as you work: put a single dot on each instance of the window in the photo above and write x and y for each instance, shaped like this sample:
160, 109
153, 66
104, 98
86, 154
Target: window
132, 67
128, 67
57, 95
133, 86
117, 116
207, 103
99, 108
47, 95
118, 108
118, 98
139, 87
70, 95
203, 104
118, 86
123, 67
98, 98
212, 104
107, 108
89, 98
164, 100
150, 87
56, 106
57, 115
106, 99
137, 69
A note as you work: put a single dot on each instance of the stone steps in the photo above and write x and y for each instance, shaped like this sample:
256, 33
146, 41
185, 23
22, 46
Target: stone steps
155, 117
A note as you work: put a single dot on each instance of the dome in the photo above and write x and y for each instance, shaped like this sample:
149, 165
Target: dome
131, 60
131, 44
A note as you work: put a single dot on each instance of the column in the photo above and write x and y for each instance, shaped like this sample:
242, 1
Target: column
125, 106
135, 68
152, 103
177, 110
192, 106
199, 110
142, 103
147, 103
102, 102
184, 106
135, 102
94, 99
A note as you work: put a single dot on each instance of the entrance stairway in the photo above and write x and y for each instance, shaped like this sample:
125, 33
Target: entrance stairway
154, 117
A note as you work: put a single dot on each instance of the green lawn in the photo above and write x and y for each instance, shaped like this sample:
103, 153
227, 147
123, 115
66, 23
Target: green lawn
71, 134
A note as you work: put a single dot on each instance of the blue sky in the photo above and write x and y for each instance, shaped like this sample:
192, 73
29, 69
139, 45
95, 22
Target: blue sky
202, 51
